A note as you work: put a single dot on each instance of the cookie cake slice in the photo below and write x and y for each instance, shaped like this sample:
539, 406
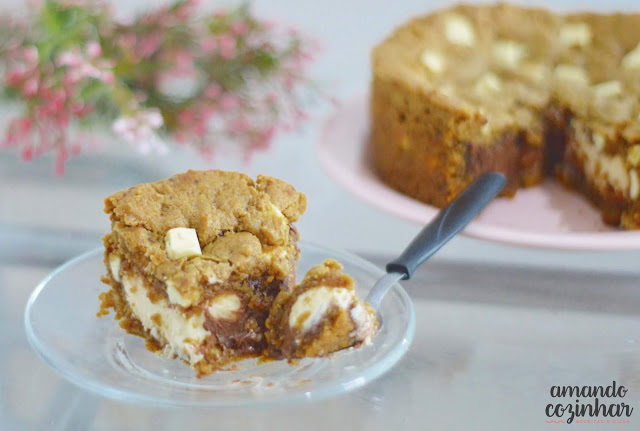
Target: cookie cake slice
195, 262
203, 265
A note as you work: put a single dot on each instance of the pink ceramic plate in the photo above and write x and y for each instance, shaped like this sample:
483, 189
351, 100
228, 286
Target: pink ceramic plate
545, 216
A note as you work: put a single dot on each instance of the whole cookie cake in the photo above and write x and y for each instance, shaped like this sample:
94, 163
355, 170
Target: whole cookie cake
526, 92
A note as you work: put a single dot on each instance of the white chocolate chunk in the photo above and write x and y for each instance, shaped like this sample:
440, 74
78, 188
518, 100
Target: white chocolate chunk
613, 169
632, 59
459, 30
608, 89
182, 242
277, 213
114, 266
575, 34
634, 184
571, 73
224, 306
313, 305
488, 84
508, 53
175, 297
447, 90
603, 169
432, 61
598, 141
633, 156
536, 72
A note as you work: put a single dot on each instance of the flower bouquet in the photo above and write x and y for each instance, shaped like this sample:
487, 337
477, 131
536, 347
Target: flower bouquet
173, 74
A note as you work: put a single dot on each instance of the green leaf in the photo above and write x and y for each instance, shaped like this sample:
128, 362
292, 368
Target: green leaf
265, 62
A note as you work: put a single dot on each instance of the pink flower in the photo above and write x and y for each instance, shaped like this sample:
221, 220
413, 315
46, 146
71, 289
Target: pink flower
61, 119
294, 33
140, 97
61, 157
88, 70
23, 125
289, 82
207, 153
212, 91
15, 75
94, 50
107, 77
181, 136
128, 41
300, 115
140, 130
239, 28
227, 46
30, 55
200, 128
186, 117
27, 153
80, 109
240, 125
183, 63
18, 130
71, 77
69, 58
187, 8
272, 98
229, 101
75, 149
148, 45
30, 87
209, 44
268, 24
78, 67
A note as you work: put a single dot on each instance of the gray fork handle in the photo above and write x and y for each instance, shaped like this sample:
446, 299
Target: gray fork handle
449, 221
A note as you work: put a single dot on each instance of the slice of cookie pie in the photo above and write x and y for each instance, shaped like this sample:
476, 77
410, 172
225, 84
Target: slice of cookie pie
195, 262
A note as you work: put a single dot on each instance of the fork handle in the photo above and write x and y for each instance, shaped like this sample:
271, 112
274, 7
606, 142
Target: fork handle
449, 221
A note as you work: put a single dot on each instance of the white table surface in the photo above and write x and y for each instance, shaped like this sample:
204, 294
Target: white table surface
542, 311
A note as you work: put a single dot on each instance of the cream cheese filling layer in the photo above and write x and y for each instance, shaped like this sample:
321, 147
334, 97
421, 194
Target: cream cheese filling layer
600, 168
365, 323
312, 306
182, 334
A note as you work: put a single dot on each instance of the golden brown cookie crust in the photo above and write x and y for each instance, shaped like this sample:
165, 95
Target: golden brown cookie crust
248, 244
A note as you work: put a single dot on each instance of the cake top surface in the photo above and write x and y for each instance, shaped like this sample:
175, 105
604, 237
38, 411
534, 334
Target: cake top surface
329, 274
213, 203
505, 62
194, 231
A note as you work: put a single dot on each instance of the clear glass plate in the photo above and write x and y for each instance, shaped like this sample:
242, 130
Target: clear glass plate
97, 355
